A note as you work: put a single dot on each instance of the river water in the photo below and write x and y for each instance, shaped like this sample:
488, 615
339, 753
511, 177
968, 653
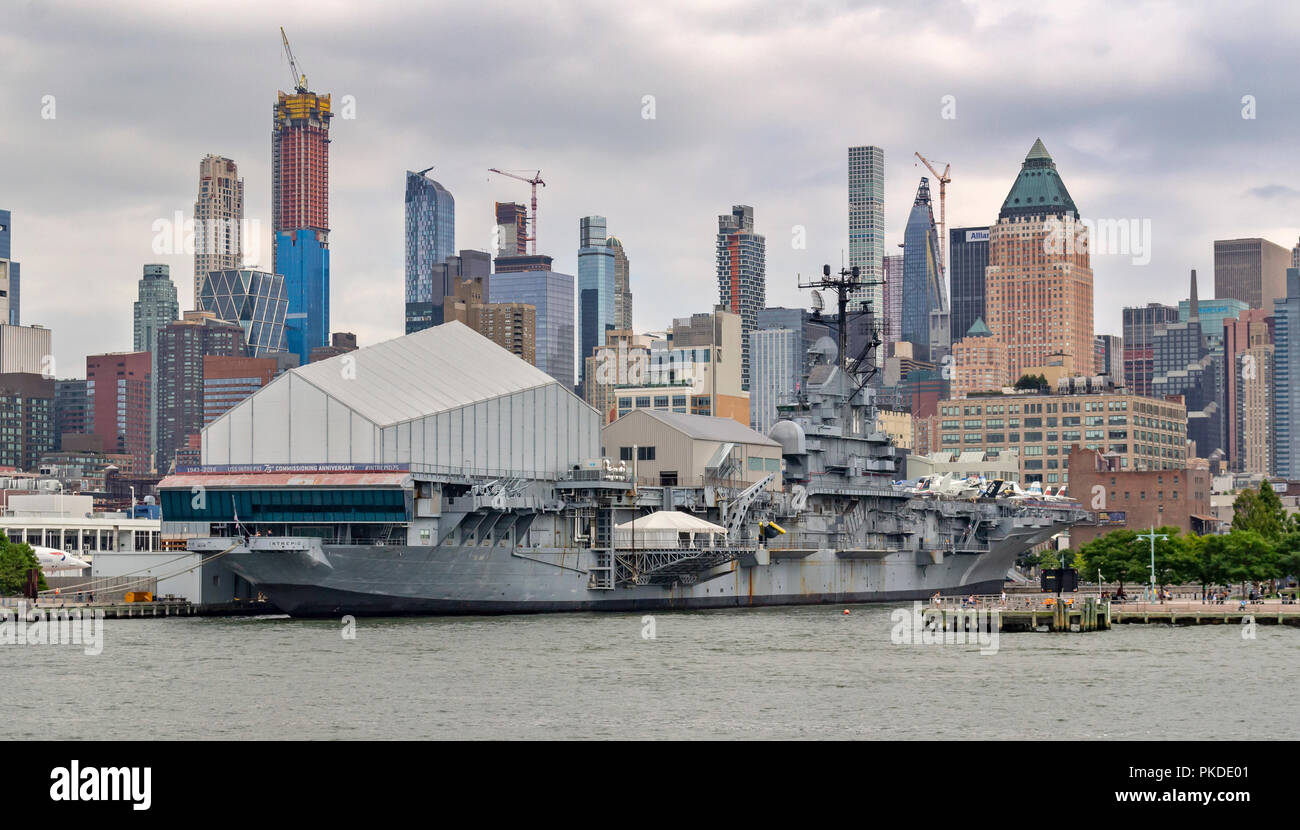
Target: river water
785, 673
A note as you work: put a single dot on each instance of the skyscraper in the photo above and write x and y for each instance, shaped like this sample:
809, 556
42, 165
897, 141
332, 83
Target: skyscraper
622, 286
119, 389
596, 286
10, 281
1251, 270
1250, 332
512, 229
304, 261
156, 306
218, 219
1286, 379
182, 346
923, 288
867, 221
1140, 326
968, 253
26, 418
1038, 285
891, 322
430, 239
1108, 357
742, 274
529, 279
300, 139
253, 299
1186, 363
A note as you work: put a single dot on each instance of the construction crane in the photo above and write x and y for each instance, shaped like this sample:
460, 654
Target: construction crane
299, 77
943, 178
532, 217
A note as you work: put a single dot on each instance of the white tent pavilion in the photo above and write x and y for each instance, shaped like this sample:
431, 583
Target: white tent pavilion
667, 529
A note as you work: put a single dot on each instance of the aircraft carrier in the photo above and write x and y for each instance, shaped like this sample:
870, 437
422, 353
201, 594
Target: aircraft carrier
834, 525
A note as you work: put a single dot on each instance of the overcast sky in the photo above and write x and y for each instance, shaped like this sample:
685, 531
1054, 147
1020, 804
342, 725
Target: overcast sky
755, 103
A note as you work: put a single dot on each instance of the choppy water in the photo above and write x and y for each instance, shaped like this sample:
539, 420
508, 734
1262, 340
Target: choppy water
772, 673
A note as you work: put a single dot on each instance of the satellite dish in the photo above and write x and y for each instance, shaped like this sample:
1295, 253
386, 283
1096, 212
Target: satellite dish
818, 303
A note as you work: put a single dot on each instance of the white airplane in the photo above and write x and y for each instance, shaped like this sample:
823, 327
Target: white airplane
56, 562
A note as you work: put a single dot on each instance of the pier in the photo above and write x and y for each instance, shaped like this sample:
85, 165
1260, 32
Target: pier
1021, 613
1191, 612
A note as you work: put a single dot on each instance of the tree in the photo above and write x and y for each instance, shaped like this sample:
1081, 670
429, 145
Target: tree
1036, 382
1247, 557
1173, 561
1205, 559
1260, 511
16, 559
1113, 556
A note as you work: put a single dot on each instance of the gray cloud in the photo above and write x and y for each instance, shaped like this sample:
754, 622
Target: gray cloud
756, 103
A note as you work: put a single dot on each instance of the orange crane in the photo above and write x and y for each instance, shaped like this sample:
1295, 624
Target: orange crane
943, 178
532, 217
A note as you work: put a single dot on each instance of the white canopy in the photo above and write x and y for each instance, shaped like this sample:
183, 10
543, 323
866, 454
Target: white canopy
674, 520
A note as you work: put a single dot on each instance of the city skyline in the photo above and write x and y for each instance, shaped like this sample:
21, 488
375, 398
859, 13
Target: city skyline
1115, 137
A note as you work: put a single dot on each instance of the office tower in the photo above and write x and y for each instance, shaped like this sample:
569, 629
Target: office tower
1249, 331
228, 380
300, 139
742, 273
1185, 363
10, 279
692, 370
923, 287
119, 389
891, 323
182, 345
1250, 270
530, 280
304, 259
512, 229
968, 256
218, 219
776, 367
1286, 379
979, 362
1108, 357
810, 326
596, 287
1038, 285
1213, 315
867, 221
72, 413
253, 299
300, 163
1252, 422
430, 240
1140, 326
622, 286
156, 305
26, 418
444, 277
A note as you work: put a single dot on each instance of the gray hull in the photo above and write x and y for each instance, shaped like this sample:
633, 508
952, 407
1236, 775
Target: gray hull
330, 580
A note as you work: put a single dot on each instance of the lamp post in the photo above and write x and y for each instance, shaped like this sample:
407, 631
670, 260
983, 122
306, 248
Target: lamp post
1153, 536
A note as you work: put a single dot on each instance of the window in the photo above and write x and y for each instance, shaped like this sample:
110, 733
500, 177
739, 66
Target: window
645, 453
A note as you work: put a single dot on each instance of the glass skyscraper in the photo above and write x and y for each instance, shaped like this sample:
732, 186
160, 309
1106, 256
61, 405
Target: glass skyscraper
742, 274
1286, 379
253, 299
596, 286
304, 261
529, 279
923, 288
430, 239
968, 251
